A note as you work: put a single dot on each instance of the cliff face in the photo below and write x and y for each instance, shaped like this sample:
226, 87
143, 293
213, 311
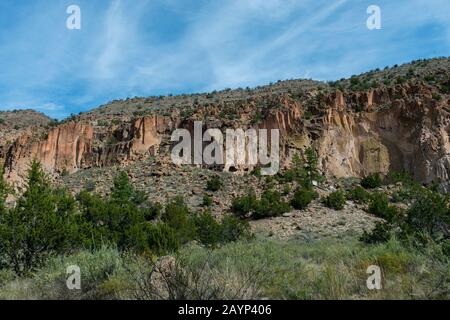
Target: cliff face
404, 126
14, 123
71, 147
410, 134
131, 142
66, 148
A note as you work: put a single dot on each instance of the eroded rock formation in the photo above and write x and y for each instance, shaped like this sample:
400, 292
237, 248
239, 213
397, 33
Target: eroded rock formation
74, 146
400, 127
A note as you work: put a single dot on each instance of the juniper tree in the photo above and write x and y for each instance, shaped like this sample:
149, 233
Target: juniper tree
305, 171
123, 193
43, 222
311, 167
3, 193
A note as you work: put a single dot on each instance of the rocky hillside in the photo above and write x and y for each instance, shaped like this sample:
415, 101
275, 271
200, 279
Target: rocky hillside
13, 124
392, 119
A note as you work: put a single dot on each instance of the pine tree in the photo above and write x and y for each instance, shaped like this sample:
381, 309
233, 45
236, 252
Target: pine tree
311, 168
43, 222
118, 220
4, 190
123, 193
3, 210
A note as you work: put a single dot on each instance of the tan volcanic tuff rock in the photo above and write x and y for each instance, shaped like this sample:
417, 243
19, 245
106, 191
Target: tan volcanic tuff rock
411, 135
399, 127
64, 148
69, 148
14, 123
146, 133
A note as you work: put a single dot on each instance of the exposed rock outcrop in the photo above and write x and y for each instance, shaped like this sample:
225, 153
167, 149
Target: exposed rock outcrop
410, 134
404, 126
65, 148
70, 147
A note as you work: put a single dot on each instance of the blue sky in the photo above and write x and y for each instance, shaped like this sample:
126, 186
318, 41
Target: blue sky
129, 48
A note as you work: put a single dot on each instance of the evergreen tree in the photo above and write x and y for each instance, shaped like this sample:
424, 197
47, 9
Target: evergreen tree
311, 164
3, 193
43, 222
3, 210
123, 193
298, 169
118, 220
178, 216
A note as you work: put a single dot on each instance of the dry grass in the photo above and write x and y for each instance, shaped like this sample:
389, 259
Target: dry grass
245, 270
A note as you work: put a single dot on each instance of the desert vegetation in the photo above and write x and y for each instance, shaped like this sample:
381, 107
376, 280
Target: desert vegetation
140, 227
47, 221
130, 248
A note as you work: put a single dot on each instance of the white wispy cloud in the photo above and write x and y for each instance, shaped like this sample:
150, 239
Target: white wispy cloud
142, 47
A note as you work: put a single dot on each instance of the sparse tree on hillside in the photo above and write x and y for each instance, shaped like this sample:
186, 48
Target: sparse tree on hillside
3, 193
43, 222
123, 193
311, 167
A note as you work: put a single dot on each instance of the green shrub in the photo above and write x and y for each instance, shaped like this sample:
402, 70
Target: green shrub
437, 97
242, 206
177, 216
207, 201
162, 239
372, 181
214, 184
427, 221
286, 190
358, 195
380, 234
125, 220
270, 205
49, 281
335, 200
311, 167
270, 183
65, 173
257, 118
42, 223
430, 215
400, 80
302, 198
234, 229
446, 248
152, 210
408, 193
123, 193
256, 172
119, 220
208, 230
400, 176
354, 81
89, 186
379, 206
102, 123
288, 176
